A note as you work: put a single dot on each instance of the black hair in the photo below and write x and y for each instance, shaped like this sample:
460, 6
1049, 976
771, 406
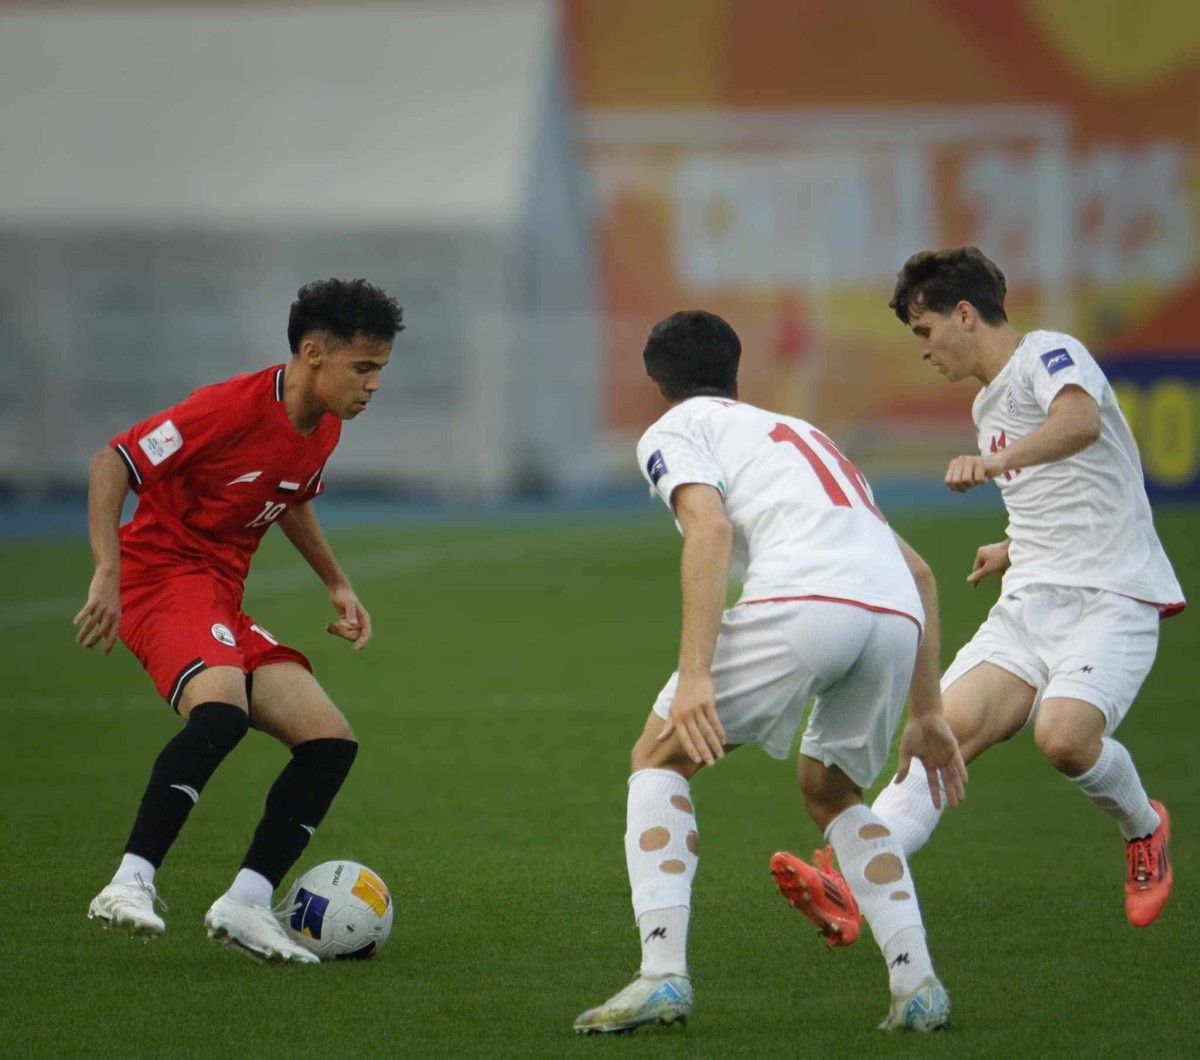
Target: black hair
937, 280
692, 353
344, 308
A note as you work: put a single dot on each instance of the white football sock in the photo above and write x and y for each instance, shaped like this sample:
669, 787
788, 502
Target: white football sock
1114, 786
661, 855
872, 861
664, 941
908, 810
131, 868
908, 960
251, 888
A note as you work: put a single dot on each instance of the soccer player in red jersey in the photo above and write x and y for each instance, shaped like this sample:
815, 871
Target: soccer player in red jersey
212, 474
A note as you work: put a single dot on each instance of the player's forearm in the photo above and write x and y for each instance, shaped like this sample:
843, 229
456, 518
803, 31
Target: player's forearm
108, 483
301, 528
924, 690
1066, 432
704, 576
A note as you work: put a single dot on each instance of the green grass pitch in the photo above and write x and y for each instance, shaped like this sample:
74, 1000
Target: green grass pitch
512, 668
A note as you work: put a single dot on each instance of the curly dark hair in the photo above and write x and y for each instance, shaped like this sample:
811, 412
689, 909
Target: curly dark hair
692, 353
937, 280
344, 308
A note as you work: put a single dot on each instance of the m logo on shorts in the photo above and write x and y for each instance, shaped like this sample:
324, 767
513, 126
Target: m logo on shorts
223, 634
656, 466
1056, 360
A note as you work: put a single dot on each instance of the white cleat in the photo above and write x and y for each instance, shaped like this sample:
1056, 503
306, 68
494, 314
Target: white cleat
926, 1009
254, 931
662, 999
129, 906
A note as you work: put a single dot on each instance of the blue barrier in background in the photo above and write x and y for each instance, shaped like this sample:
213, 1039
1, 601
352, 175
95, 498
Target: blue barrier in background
1160, 397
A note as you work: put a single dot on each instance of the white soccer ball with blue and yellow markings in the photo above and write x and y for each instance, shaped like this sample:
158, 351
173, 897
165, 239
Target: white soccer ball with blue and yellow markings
340, 910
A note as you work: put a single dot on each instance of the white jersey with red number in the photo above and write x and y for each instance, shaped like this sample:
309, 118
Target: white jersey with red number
804, 520
1084, 520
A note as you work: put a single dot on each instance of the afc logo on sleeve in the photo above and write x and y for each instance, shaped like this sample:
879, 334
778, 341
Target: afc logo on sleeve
161, 442
1056, 360
656, 466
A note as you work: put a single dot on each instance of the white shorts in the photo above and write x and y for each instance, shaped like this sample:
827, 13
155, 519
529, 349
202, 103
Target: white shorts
1068, 642
771, 658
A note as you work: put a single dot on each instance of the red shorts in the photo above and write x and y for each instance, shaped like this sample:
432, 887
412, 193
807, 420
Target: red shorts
188, 622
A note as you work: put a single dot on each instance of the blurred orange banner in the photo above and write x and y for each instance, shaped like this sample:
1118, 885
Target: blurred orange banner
776, 162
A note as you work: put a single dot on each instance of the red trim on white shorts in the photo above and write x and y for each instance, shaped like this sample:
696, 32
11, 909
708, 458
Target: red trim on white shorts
836, 600
1165, 611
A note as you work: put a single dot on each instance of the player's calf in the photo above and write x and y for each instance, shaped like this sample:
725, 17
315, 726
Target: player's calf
180, 773
297, 804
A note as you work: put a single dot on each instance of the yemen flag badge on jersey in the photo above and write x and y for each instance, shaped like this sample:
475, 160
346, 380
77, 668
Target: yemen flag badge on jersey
288, 487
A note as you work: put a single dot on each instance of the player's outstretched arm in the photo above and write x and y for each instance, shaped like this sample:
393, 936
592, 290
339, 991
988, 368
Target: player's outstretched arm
704, 579
100, 619
927, 737
300, 526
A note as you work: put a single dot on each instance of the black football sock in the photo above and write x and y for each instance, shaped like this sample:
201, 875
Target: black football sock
297, 804
179, 775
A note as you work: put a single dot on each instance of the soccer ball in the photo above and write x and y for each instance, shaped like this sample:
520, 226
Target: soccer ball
340, 910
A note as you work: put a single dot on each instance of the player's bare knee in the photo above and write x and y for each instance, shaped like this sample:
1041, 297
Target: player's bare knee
1066, 752
327, 725
1069, 738
334, 727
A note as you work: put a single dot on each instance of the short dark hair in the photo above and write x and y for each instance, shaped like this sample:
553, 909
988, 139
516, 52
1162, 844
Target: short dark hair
344, 308
937, 280
692, 353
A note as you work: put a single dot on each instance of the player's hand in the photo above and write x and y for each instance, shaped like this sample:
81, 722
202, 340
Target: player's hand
967, 472
100, 619
353, 624
930, 740
990, 559
693, 716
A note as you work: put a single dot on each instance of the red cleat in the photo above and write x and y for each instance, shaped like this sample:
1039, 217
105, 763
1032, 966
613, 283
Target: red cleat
1148, 885
821, 893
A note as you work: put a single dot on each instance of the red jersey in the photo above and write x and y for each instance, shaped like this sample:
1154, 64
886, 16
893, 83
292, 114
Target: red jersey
213, 473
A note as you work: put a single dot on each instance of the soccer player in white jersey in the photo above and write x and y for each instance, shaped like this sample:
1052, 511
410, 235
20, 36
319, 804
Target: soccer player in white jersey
1085, 580
833, 605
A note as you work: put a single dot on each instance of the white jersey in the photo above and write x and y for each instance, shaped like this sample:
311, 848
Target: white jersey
1084, 520
804, 521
